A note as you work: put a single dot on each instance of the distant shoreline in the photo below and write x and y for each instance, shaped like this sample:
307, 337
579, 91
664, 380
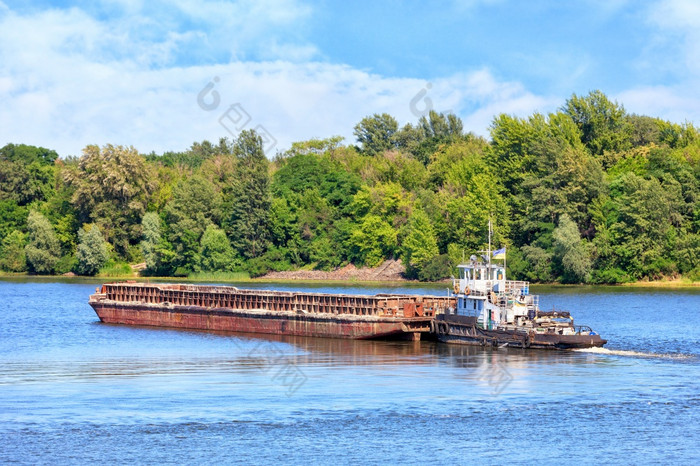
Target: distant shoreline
281, 279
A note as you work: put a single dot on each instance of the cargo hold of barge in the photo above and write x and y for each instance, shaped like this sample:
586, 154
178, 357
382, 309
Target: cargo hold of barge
227, 308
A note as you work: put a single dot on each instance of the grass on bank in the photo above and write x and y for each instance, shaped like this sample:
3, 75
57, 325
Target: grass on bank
218, 276
117, 270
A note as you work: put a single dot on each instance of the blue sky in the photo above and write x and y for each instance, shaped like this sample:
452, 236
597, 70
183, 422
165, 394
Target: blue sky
130, 71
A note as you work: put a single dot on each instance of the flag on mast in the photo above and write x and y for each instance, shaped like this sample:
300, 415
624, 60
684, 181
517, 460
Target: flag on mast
499, 253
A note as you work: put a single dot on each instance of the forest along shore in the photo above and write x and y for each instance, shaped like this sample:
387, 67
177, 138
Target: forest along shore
589, 194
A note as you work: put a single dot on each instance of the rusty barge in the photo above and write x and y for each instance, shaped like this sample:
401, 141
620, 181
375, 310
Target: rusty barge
227, 308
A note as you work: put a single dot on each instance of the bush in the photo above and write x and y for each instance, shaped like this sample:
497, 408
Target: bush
66, 264
43, 249
92, 251
610, 276
216, 253
12, 255
693, 275
436, 268
116, 269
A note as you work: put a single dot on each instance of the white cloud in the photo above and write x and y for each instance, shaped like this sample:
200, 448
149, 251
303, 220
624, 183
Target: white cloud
68, 79
670, 103
673, 52
677, 24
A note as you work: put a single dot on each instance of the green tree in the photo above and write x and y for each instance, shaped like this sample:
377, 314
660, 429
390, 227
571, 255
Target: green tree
26, 173
418, 245
644, 216
92, 253
12, 217
111, 188
12, 255
546, 169
216, 253
440, 126
248, 205
470, 196
43, 249
376, 133
604, 125
194, 206
151, 225
372, 241
571, 252
157, 251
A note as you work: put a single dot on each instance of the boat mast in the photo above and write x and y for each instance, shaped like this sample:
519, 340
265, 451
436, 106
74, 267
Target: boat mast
489, 251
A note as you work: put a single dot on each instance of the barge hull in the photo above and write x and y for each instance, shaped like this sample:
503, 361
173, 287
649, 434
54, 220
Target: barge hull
229, 309
261, 321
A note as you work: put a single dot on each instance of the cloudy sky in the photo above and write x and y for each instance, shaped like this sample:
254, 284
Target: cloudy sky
160, 75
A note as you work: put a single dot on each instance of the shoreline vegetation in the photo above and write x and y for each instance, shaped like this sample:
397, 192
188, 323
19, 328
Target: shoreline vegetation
589, 194
292, 277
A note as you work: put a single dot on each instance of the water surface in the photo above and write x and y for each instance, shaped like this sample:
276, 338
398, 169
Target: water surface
74, 390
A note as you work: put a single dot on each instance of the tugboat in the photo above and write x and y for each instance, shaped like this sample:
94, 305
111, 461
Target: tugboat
493, 311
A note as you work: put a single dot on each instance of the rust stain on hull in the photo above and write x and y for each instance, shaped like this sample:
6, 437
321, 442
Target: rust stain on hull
257, 311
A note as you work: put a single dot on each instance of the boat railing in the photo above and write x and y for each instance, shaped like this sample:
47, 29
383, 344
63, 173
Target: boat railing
515, 285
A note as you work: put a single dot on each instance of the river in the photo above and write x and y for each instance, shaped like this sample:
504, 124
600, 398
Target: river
74, 390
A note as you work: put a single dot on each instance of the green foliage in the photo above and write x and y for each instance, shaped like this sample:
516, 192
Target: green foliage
646, 211
216, 253
12, 217
539, 264
92, 253
432, 132
26, 173
586, 194
12, 255
547, 171
194, 206
111, 186
157, 252
419, 246
436, 268
273, 259
372, 241
571, 253
470, 197
247, 208
376, 133
116, 269
66, 264
611, 276
25, 183
43, 249
28, 154
604, 125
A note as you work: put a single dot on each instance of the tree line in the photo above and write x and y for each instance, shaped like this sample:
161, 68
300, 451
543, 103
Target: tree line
588, 194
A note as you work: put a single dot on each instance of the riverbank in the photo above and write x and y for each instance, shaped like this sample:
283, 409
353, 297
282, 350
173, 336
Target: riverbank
390, 272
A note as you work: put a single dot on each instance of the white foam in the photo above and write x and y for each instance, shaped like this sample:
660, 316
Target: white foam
633, 354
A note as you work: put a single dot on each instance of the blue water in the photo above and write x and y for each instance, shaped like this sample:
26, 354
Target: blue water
74, 390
